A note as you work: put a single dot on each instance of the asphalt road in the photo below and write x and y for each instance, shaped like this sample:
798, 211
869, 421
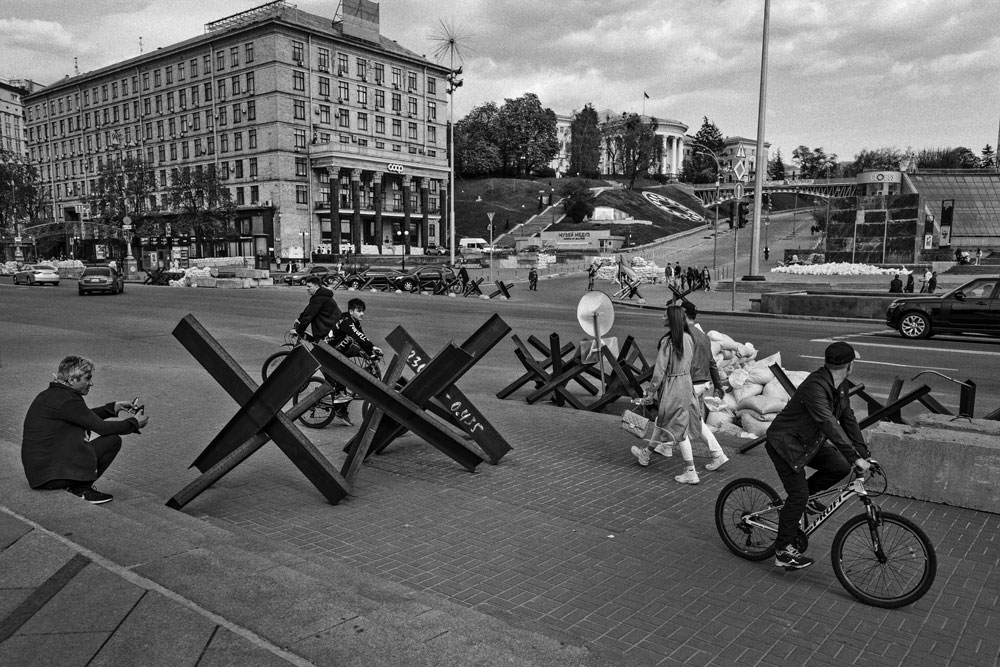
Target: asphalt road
129, 336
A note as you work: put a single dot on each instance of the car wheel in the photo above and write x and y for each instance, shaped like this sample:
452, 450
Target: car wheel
915, 325
408, 285
355, 283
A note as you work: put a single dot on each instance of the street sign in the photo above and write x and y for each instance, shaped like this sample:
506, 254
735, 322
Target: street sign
741, 151
490, 214
17, 240
738, 191
126, 223
740, 170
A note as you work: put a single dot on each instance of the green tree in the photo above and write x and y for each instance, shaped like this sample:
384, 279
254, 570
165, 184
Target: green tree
815, 163
776, 167
526, 135
122, 188
947, 158
632, 145
577, 201
22, 196
700, 167
879, 159
585, 144
988, 157
477, 152
202, 206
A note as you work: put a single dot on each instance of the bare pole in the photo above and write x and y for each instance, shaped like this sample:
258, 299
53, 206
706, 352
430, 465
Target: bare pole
758, 190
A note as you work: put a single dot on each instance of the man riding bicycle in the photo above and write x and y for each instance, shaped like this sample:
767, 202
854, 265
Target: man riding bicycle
816, 428
348, 338
320, 314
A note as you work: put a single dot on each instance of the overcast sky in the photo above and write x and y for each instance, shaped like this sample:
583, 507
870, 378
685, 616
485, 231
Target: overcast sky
843, 74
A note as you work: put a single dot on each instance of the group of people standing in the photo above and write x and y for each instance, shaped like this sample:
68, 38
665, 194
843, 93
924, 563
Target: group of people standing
691, 278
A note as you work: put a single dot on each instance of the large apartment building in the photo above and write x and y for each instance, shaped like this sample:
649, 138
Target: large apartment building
324, 131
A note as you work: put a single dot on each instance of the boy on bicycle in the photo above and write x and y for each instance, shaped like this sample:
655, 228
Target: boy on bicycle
348, 338
816, 428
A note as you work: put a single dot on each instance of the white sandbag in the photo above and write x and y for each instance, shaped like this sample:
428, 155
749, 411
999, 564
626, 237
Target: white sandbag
724, 341
773, 389
717, 419
731, 403
738, 378
758, 416
746, 350
716, 348
751, 425
762, 404
746, 391
714, 404
759, 374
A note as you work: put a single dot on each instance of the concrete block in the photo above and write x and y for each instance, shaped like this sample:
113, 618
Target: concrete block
203, 282
950, 462
229, 283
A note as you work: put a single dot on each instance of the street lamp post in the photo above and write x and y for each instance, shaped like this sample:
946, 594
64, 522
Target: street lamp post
304, 255
718, 176
490, 215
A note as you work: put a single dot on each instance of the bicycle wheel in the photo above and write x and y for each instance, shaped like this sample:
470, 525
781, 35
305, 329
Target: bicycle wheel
319, 414
272, 362
899, 578
738, 499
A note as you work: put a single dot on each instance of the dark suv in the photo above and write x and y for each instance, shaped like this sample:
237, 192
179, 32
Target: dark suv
970, 308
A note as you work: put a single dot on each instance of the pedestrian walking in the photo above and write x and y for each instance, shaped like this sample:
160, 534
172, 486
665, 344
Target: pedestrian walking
533, 280
705, 378
591, 274
463, 275
677, 275
706, 278
979, 256
909, 283
932, 283
676, 417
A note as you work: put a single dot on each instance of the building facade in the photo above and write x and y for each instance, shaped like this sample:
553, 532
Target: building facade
325, 132
12, 134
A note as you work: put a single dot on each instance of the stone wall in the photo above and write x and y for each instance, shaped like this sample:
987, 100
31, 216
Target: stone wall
871, 306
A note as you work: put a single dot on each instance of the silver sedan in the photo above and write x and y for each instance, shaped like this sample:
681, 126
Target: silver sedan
37, 274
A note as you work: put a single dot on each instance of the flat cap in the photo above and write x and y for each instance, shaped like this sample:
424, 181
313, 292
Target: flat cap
840, 353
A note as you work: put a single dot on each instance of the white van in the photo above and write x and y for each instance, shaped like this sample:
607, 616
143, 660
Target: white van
473, 243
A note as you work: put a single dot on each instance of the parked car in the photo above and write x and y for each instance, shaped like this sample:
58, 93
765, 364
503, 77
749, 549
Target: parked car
100, 279
37, 274
438, 250
381, 277
970, 308
425, 277
299, 278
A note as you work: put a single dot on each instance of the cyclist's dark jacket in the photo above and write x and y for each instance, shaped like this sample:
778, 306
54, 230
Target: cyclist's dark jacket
321, 313
349, 330
816, 412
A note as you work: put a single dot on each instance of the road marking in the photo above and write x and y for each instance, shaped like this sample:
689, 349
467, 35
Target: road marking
886, 363
908, 347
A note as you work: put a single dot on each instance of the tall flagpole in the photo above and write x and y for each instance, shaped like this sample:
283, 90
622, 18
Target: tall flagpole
760, 168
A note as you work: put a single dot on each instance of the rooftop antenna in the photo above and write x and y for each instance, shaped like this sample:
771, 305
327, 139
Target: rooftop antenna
140, 44
76, 66
452, 43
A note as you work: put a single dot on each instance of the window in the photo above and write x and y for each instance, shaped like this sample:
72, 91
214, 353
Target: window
252, 165
194, 95
379, 73
298, 80
185, 152
324, 113
362, 121
172, 127
104, 93
397, 127
254, 194
252, 139
344, 92
411, 106
208, 91
411, 81
173, 151
411, 131
432, 113
182, 98
194, 67
220, 60
380, 124
223, 170
222, 115
238, 165
237, 113
208, 120
397, 77
198, 150
168, 73
251, 110
379, 99
223, 143
300, 138
180, 73
222, 90
159, 104
234, 56
363, 95
397, 102
431, 134
240, 198
300, 167
235, 81
114, 95
301, 194
195, 122
248, 52
362, 67
159, 129
299, 109
237, 141
323, 59
431, 86
341, 63
206, 62
324, 86
170, 102
251, 87
298, 49
343, 118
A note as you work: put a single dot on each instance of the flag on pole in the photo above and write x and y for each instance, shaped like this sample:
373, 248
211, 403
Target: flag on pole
645, 95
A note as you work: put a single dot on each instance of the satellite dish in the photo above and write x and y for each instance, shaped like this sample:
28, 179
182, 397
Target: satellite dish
596, 313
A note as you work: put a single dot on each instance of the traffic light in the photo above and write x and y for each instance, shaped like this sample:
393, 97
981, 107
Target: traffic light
743, 213
453, 80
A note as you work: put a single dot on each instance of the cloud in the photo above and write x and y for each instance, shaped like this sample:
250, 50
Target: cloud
33, 34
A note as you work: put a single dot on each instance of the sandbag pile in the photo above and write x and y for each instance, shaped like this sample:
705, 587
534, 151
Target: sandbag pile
191, 275
753, 397
645, 270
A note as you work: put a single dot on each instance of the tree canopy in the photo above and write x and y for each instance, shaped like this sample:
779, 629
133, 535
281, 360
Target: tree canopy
203, 206
815, 163
577, 201
631, 145
585, 143
515, 139
21, 191
776, 167
700, 167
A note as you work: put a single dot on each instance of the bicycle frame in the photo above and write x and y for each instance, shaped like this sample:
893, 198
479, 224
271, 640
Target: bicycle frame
853, 489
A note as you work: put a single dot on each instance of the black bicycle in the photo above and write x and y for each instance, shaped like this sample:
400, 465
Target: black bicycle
881, 558
331, 404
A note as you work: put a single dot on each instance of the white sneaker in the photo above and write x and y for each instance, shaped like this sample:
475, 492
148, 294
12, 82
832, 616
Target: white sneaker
664, 449
718, 461
688, 477
642, 454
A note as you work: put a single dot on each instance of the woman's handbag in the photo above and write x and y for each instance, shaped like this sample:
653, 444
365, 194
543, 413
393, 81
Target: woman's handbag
638, 425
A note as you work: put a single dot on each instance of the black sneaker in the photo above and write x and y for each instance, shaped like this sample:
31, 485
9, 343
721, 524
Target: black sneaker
345, 417
92, 495
790, 559
814, 506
